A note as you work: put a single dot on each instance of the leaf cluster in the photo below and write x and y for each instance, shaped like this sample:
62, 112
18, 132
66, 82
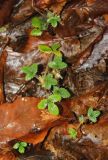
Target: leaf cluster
54, 48
50, 103
58, 94
20, 146
92, 115
49, 81
41, 24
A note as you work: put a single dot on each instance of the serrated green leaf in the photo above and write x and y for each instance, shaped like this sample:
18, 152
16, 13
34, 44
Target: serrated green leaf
64, 93
36, 32
53, 109
55, 46
72, 132
53, 19
97, 113
54, 98
57, 63
93, 115
49, 81
44, 48
24, 144
30, 71
16, 145
43, 104
37, 22
21, 149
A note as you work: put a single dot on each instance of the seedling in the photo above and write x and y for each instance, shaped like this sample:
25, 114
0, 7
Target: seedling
93, 115
41, 24
20, 146
53, 19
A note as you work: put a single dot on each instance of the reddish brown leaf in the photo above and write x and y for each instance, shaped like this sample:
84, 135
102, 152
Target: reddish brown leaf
5, 10
21, 117
2, 64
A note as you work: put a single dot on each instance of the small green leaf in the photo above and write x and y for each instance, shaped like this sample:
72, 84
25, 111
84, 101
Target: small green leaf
44, 48
24, 144
49, 81
53, 19
36, 32
20, 146
55, 46
21, 149
30, 71
43, 104
64, 93
81, 119
93, 115
57, 63
53, 109
54, 98
37, 22
16, 145
72, 132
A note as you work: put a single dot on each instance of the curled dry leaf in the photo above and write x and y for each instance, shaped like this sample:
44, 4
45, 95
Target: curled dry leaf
42, 4
80, 11
22, 12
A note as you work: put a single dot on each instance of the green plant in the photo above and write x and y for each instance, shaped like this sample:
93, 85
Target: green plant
30, 71
93, 115
50, 103
57, 63
53, 19
54, 48
20, 146
49, 81
73, 133
41, 24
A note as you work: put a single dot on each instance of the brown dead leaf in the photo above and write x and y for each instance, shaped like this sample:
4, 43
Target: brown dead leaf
21, 117
2, 65
5, 10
